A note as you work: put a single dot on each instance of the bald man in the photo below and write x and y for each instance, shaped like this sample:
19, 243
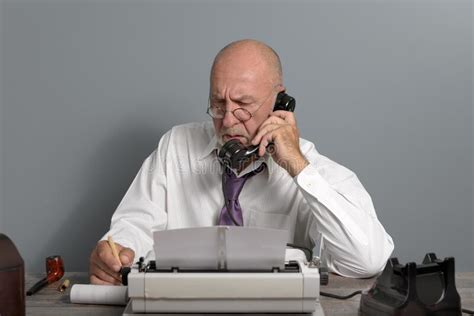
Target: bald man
293, 188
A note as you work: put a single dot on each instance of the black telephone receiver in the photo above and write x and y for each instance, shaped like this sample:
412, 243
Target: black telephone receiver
235, 155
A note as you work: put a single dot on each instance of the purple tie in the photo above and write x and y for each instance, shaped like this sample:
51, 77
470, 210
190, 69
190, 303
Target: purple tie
231, 187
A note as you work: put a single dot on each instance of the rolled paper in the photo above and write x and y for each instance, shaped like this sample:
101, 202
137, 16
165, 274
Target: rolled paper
99, 294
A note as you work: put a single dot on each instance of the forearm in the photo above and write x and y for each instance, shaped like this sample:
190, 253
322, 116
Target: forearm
143, 208
355, 241
132, 232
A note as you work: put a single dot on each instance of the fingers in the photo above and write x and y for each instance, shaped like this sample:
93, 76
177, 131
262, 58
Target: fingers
126, 256
270, 124
288, 117
106, 256
266, 139
273, 119
276, 120
263, 131
103, 264
100, 274
95, 280
100, 269
97, 264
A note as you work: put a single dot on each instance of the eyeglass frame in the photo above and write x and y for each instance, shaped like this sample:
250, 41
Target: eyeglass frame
208, 111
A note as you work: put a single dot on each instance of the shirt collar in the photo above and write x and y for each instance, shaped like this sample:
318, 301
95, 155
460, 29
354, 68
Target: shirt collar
213, 147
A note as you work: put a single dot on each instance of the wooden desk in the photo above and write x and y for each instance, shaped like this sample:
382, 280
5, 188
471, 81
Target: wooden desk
51, 302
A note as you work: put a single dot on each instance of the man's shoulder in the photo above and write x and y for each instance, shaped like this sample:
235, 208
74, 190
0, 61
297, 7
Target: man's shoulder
190, 137
194, 129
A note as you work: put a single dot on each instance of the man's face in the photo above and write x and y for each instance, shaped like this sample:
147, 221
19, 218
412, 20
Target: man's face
234, 86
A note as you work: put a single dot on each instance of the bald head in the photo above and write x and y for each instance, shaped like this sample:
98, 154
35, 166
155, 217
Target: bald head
245, 74
250, 53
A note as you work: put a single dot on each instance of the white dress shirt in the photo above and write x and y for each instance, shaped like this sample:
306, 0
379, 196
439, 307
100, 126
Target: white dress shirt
179, 185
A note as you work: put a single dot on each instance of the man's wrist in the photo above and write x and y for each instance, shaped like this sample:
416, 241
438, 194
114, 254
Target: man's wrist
295, 166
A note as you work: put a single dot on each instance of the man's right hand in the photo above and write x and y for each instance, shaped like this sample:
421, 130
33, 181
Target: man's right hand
103, 266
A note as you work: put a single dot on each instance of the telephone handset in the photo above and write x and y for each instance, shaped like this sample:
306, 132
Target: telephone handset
235, 155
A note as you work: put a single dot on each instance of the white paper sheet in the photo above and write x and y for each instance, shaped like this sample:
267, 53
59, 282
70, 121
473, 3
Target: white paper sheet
99, 294
204, 248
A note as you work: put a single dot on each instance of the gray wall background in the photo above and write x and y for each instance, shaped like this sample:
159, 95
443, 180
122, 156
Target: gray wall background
88, 88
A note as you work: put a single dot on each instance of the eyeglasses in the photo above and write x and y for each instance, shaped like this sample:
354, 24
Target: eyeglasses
242, 114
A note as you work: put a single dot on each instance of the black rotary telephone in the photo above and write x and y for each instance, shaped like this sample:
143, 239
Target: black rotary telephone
235, 155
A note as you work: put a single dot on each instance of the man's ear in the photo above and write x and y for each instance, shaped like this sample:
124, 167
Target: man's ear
280, 88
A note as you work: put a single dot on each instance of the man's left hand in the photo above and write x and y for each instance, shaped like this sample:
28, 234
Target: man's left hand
281, 130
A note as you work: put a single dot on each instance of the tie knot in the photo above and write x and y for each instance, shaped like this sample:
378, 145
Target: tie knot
232, 185
231, 213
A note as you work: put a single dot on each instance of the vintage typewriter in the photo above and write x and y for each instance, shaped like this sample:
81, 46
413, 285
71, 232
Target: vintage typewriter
216, 270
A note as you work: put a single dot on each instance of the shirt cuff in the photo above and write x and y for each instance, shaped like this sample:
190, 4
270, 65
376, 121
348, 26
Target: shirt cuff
310, 180
122, 238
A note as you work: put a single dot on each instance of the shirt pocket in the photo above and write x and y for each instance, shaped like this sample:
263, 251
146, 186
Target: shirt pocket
268, 220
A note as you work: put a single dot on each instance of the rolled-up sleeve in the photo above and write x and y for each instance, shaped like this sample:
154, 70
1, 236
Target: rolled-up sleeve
355, 242
143, 208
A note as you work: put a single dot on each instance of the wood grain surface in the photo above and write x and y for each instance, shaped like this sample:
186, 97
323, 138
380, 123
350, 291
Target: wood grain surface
49, 301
